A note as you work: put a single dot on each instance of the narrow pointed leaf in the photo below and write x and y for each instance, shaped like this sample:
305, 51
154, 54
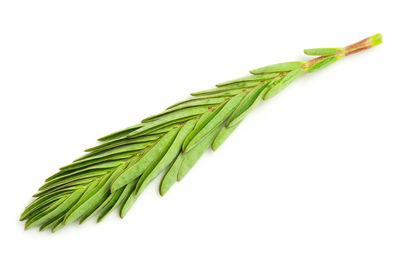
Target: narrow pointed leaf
171, 176
219, 117
171, 152
195, 102
260, 77
129, 200
138, 168
121, 133
115, 199
223, 134
190, 158
322, 51
250, 101
87, 201
322, 64
279, 67
284, 82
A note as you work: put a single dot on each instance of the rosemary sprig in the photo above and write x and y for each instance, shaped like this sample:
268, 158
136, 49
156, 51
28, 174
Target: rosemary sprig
114, 173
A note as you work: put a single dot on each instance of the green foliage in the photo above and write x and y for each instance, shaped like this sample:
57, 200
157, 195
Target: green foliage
114, 173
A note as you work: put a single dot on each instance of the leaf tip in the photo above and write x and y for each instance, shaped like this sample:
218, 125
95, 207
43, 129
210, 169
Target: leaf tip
163, 190
122, 213
22, 217
214, 146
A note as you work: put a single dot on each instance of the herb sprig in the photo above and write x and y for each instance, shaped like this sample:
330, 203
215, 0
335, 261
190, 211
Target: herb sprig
114, 174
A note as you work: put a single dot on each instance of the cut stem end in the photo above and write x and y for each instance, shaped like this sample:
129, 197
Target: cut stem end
348, 50
363, 44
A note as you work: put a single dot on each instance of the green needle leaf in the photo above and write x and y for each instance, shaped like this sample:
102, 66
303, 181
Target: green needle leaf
279, 67
129, 200
216, 119
171, 176
323, 63
283, 82
115, 199
223, 134
250, 101
143, 162
322, 51
88, 201
260, 77
167, 156
190, 158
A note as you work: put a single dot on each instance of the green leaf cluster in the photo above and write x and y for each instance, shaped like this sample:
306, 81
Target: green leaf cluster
113, 174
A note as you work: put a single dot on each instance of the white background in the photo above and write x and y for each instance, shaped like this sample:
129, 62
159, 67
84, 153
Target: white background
308, 185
